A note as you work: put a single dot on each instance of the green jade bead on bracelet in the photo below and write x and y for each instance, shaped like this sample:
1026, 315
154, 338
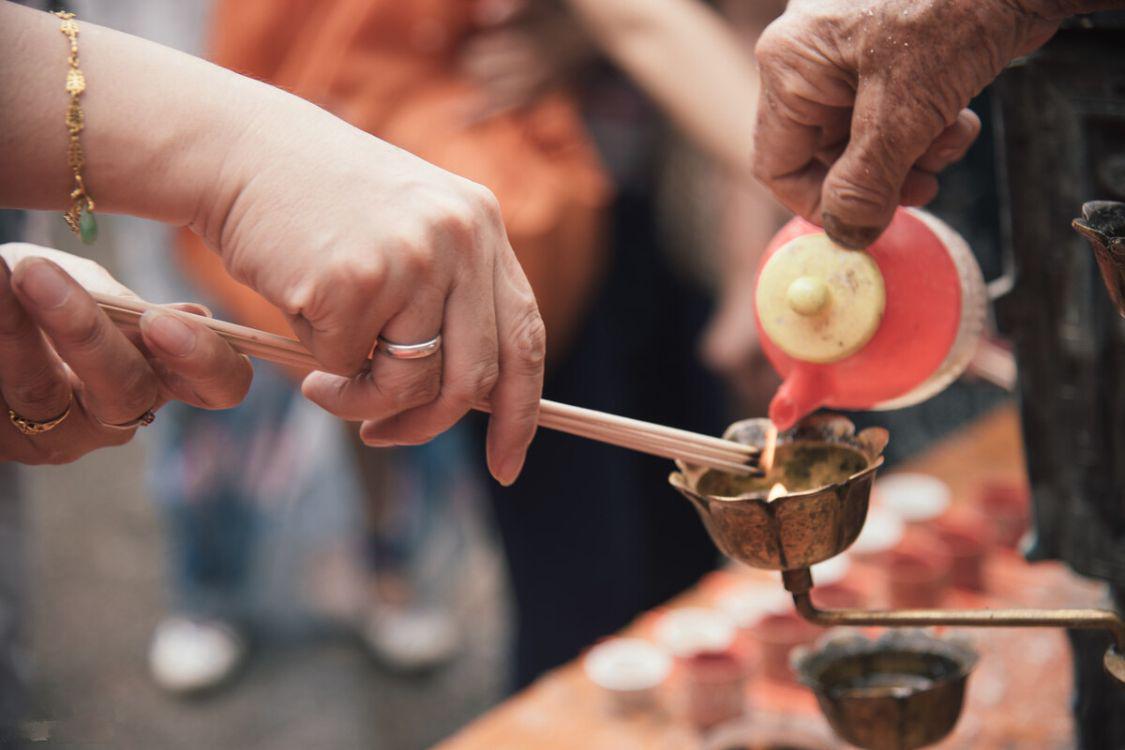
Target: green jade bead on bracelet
88, 227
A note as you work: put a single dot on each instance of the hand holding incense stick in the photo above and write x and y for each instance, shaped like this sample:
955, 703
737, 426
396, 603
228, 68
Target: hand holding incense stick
645, 437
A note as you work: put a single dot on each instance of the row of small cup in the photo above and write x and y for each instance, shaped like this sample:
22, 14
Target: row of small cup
694, 648
914, 538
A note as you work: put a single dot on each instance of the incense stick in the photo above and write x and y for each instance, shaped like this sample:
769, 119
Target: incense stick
634, 434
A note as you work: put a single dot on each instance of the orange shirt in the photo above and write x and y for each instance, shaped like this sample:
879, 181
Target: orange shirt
390, 68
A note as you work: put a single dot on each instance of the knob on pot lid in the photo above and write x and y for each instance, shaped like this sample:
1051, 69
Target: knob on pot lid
818, 301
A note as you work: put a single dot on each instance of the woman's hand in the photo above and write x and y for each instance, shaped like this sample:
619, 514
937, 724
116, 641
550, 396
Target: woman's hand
354, 239
60, 354
350, 236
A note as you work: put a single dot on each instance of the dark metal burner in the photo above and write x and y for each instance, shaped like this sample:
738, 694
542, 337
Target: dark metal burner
900, 692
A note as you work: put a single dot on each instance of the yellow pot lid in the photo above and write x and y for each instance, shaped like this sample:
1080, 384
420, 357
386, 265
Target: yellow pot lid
818, 301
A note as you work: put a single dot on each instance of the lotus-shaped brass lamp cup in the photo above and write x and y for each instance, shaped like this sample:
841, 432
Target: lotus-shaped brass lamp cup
828, 470
900, 692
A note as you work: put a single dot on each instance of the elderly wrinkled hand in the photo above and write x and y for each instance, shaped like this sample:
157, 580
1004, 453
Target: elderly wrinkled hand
71, 382
862, 100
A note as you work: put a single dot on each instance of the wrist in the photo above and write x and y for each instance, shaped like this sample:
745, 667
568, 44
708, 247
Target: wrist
155, 151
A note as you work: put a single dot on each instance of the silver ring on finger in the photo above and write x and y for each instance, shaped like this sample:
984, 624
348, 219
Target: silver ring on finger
409, 351
142, 421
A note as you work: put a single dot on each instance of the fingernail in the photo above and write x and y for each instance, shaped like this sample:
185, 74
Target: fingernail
376, 443
45, 284
510, 469
371, 440
197, 309
849, 235
170, 334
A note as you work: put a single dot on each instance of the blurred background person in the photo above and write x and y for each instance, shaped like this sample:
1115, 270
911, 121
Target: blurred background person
262, 502
392, 69
489, 90
591, 535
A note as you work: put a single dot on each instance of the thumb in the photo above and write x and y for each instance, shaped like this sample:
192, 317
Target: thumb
862, 189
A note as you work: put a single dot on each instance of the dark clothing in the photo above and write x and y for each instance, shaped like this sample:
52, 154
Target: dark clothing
594, 534
1099, 701
1063, 123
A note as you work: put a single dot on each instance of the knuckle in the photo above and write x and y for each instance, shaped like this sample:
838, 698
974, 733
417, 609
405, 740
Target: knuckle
475, 386
458, 218
869, 195
44, 389
760, 169
420, 261
489, 203
83, 330
529, 340
368, 270
222, 395
773, 45
136, 394
297, 300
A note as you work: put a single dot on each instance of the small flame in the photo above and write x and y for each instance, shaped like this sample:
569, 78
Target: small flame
765, 462
776, 491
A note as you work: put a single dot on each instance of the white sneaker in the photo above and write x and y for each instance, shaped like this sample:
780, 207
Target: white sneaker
190, 656
410, 639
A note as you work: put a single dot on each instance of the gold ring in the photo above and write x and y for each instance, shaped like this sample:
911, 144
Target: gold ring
142, 421
30, 427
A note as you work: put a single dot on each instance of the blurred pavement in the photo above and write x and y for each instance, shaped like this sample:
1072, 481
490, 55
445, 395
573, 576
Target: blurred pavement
96, 560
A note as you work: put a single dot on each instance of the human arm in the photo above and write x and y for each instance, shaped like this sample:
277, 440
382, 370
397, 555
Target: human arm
351, 237
862, 101
59, 352
689, 61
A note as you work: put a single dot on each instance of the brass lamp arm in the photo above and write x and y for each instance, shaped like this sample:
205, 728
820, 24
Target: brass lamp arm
799, 584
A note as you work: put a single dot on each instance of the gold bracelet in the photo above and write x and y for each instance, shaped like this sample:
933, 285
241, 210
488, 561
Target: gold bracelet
80, 216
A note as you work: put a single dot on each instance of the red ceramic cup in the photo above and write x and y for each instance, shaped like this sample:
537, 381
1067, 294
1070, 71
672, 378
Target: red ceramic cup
968, 548
916, 580
777, 635
1008, 506
714, 686
837, 596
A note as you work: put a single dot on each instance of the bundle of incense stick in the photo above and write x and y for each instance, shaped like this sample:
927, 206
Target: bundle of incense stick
645, 437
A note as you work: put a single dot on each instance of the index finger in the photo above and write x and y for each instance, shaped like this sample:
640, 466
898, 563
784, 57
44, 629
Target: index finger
522, 352
785, 157
864, 186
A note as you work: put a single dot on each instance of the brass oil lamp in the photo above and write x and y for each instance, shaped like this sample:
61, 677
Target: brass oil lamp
873, 329
900, 692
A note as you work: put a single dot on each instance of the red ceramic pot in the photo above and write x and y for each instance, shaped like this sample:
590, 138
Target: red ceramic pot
880, 328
